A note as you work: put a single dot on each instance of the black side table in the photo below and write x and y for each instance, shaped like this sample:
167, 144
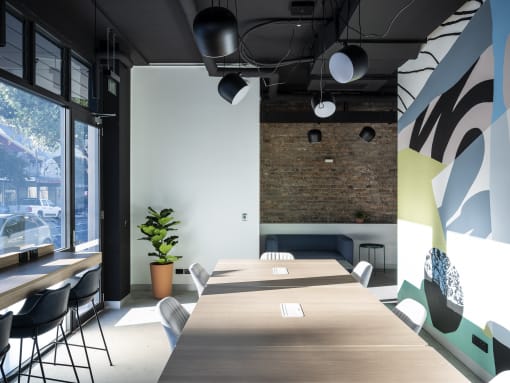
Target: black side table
371, 248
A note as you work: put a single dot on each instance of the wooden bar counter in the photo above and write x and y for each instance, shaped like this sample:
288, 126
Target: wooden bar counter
20, 280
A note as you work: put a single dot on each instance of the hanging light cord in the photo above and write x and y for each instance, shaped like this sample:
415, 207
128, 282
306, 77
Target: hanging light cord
388, 28
247, 55
321, 104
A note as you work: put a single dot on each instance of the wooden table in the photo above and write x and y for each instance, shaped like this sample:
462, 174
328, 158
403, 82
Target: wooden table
19, 281
236, 332
308, 365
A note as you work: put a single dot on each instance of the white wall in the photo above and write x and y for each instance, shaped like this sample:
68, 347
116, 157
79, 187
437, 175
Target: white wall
197, 154
367, 232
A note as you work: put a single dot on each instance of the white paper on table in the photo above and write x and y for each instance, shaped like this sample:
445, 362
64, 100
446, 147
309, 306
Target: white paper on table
291, 310
280, 270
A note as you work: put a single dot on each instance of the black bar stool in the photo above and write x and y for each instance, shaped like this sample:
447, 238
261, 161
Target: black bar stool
83, 292
5, 331
41, 312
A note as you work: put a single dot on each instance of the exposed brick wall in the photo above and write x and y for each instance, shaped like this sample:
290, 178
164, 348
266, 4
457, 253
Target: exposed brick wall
297, 186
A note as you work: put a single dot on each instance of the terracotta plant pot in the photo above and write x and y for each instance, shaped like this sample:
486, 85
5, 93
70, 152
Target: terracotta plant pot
162, 277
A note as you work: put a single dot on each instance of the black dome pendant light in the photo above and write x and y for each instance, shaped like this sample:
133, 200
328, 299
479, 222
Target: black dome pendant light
348, 64
314, 136
215, 31
323, 105
233, 88
351, 62
367, 133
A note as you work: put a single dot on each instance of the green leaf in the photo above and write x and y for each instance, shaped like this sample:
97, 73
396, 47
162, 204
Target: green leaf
149, 230
164, 220
172, 258
164, 248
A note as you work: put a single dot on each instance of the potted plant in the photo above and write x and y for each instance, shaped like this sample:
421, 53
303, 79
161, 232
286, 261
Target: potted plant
157, 229
360, 216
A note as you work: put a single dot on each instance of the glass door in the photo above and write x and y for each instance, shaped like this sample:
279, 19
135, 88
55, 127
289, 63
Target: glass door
87, 210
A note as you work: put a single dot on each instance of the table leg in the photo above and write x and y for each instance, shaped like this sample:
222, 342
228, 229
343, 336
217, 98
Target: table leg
375, 259
384, 254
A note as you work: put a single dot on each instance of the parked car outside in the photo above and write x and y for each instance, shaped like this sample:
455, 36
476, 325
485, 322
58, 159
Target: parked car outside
44, 208
22, 230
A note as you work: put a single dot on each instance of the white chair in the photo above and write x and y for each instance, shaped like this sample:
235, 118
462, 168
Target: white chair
173, 318
412, 313
362, 272
276, 256
200, 277
502, 377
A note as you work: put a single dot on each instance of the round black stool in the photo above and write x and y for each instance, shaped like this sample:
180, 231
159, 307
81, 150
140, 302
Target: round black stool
372, 248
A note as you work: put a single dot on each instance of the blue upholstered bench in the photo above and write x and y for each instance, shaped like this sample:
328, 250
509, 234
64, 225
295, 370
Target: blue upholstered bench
313, 246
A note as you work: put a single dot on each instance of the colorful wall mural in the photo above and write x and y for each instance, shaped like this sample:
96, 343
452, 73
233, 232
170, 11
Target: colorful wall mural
454, 182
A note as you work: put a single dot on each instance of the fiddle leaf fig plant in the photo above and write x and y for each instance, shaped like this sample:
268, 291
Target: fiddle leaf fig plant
157, 229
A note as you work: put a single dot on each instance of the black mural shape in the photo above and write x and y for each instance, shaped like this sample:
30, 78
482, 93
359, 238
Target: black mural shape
447, 113
475, 216
470, 136
501, 356
443, 318
443, 292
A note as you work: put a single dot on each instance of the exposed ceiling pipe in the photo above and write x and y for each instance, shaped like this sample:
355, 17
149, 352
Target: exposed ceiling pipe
119, 56
190, 10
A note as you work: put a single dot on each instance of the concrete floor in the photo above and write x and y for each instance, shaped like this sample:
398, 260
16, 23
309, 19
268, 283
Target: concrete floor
137, 342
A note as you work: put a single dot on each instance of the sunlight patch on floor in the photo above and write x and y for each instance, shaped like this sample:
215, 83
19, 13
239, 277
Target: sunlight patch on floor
139, 315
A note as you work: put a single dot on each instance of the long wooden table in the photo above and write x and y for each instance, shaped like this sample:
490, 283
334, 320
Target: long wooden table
19, 281
236, 332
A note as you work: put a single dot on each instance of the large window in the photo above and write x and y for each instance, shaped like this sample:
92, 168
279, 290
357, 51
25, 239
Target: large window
80, 74
11, 56
86, 186
32, 170
48, 64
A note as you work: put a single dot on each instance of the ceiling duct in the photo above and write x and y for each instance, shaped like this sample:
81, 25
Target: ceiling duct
302, 8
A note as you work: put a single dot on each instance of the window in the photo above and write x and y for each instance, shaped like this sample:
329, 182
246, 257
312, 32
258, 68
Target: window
11, 56
86, 186
32, 167
48, 64
80, 74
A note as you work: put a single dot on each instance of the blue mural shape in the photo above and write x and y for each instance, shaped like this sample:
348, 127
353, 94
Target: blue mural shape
500, 9
475, 212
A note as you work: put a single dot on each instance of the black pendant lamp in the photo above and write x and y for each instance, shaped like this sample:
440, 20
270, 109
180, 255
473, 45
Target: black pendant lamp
215, 31
233, 88
314, 136
323, 105
348, 64
367, 133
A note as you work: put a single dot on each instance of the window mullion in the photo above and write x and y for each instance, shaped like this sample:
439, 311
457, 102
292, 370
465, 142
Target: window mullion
29, 52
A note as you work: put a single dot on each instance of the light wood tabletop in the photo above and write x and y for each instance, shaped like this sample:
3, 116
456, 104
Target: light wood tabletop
304, 272
19, 281
333, 315
308, 364
237, 332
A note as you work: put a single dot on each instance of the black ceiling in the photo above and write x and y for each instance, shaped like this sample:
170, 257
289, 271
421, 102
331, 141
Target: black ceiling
159, 32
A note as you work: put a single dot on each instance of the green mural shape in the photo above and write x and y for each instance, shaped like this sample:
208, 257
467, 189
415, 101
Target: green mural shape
461, 338
416, 202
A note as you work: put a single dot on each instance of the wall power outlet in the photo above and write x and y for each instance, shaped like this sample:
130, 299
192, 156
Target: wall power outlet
480, 343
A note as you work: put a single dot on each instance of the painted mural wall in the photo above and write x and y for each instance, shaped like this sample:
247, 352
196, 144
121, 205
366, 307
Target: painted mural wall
454, 182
